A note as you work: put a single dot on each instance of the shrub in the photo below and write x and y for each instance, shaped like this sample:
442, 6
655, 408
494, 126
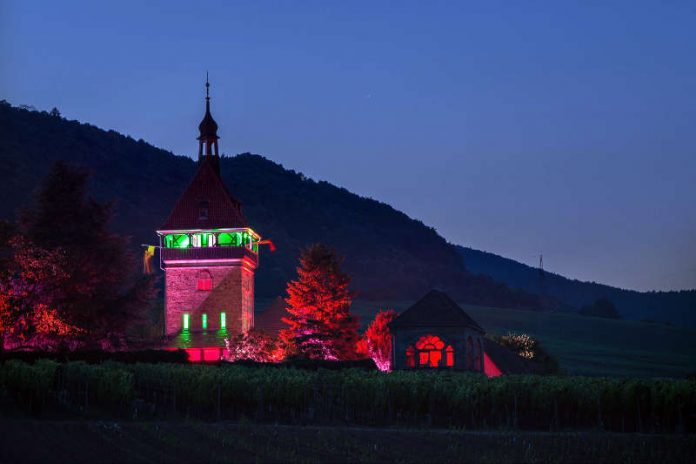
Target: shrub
254, 345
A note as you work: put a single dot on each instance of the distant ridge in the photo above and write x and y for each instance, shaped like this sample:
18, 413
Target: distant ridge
389, 255
674, 307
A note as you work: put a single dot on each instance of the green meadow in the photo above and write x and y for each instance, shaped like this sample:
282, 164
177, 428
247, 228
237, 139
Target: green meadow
585, 345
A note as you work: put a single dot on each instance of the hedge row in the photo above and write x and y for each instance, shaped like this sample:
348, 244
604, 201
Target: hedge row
355, 396
99, 356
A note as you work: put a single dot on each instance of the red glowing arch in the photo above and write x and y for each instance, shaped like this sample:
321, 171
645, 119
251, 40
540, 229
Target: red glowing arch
428, 352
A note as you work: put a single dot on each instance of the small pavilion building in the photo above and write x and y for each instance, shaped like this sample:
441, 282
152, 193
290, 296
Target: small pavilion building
435, 333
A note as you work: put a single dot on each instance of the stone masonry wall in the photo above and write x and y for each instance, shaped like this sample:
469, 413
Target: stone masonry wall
229, 294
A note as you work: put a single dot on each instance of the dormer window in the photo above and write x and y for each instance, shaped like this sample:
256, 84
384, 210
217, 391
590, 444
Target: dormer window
203, 210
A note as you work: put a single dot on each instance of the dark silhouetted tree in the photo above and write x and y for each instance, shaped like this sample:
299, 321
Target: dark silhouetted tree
603, 307
103, 293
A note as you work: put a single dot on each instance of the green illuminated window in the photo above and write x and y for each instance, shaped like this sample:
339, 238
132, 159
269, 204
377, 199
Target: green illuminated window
223, 320
230, 239
176, 241
204, 320
185, 324
203, 240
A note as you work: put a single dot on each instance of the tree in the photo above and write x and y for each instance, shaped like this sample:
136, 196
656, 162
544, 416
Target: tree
31, 279
379, 339
320, 323
8, 313
102, 293
603, 307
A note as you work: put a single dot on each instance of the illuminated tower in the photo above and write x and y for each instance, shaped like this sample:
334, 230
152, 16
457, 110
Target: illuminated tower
208, 254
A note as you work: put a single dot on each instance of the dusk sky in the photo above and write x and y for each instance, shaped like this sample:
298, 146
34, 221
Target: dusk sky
567, 128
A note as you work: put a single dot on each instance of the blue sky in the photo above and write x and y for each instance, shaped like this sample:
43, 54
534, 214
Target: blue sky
514, 127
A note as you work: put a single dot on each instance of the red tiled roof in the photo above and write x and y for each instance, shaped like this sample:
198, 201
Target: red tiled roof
435, 309
205, 188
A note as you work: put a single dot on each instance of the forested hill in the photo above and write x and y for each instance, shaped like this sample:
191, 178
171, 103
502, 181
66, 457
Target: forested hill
389, 255
678, 308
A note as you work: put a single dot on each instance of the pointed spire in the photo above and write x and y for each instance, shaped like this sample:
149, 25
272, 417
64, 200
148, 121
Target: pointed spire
208, 138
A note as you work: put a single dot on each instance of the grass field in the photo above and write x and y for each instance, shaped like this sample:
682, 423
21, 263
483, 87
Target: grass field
586, 345
31, 441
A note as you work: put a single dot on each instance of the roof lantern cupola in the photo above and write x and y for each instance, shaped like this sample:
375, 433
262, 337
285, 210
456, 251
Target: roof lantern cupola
208, 138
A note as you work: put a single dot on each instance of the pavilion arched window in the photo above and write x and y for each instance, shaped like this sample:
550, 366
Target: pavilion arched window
449, 356
469, 353
410, 356
430, 351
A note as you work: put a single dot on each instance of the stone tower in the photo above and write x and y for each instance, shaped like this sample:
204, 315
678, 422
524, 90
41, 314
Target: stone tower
208, 254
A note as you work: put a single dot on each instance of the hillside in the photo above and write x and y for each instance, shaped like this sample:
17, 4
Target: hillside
390, 256
677, 308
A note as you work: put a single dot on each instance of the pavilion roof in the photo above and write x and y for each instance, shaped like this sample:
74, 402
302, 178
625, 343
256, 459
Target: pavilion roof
435, 309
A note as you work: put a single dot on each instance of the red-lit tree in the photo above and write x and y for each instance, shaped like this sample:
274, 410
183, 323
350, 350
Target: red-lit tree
31, 280
318, 305
8, 312
378, 339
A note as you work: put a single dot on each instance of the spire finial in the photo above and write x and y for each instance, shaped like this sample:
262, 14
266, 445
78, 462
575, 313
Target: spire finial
207, 140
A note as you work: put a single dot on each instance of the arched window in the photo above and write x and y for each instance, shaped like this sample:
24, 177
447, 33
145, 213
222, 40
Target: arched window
479, 356
410, 357
469, 353
204, 281
430, 349
449, 356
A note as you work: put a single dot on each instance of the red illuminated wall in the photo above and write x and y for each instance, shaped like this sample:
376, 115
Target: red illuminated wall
489, 367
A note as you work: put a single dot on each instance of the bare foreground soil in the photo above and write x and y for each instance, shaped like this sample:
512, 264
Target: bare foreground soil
182, 442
